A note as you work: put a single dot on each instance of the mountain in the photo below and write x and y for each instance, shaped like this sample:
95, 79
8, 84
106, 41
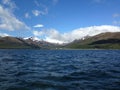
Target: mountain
101, 41
15, 42
109, 40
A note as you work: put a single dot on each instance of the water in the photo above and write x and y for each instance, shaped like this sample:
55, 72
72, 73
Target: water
59, 69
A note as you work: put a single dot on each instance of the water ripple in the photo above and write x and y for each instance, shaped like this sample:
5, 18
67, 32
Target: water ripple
59, 69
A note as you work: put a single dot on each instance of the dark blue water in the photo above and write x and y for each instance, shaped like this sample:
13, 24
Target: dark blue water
59, 69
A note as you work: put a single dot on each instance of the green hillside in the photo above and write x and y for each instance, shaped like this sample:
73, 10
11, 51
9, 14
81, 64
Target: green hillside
101, 41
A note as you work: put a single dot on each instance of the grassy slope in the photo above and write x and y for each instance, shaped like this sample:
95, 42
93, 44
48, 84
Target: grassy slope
92, 42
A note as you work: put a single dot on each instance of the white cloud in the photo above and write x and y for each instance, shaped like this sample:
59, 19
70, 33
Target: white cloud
38, 26
53, 40
4, 34
9, 22
33, 38
116, 15
27, 15
38, 33
54, 36
36, 12
43, 8
10, 4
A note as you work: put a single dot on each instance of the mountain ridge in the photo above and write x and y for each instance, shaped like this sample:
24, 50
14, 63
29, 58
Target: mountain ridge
109, 40
92, 42
15, 42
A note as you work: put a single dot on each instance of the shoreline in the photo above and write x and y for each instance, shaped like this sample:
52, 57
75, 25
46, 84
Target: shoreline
51, 49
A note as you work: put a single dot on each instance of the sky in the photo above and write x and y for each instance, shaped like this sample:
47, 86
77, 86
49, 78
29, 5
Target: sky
58, 21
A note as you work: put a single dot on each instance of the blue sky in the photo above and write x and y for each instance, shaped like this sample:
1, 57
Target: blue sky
48, 19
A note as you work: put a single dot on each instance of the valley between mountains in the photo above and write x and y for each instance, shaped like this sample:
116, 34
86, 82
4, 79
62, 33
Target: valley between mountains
109, 40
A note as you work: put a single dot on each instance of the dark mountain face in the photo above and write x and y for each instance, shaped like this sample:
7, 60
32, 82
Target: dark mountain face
108, 41
14, 42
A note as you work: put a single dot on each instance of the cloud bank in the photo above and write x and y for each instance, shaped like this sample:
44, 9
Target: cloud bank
54, 36
9, 22
4, 34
